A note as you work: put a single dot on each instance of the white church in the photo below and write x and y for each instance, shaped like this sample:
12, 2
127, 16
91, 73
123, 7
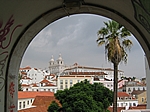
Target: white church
59, 68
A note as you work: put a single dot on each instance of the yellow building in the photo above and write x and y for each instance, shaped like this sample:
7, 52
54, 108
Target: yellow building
141, 96
67, 81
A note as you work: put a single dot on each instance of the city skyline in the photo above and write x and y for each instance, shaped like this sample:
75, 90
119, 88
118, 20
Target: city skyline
74, 37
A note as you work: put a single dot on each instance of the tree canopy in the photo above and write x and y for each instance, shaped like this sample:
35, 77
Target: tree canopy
85, 97
54, 107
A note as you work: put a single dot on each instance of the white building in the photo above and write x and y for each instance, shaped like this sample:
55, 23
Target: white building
125, 100
130, 86
33, 79
59, 68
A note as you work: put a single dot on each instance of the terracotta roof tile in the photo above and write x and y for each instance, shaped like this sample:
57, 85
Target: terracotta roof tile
118, 109
122, 94
42, 103
26, 68
44, 81
34, 85
33, 94
25, 85
23, 73
143, 106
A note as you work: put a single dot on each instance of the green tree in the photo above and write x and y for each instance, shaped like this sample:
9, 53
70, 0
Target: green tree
54, 107
85, 97
113, 36
19, 83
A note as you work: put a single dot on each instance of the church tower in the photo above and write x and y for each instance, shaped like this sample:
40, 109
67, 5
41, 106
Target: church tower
56, 67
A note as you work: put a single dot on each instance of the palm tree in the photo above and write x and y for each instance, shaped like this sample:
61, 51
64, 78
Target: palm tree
113, 36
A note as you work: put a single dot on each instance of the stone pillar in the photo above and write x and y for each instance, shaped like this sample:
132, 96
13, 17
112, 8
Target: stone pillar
147, 70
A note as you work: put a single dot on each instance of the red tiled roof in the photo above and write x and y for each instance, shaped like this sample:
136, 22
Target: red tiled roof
33, 94
46, 100
25, 85
143, 106
34, 85
42, 103
122, 94
26, 68
23, 73
118, 109
44, 81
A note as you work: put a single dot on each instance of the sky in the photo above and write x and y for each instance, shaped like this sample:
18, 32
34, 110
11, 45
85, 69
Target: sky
74, 37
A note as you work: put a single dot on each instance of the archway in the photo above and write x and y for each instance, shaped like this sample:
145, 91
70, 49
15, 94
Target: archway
20, 25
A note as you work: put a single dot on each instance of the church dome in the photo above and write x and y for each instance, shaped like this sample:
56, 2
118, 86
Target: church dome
60, 58
52, 59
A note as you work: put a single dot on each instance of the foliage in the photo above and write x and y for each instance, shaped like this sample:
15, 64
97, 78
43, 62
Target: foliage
113, 36
85, 97
54, 107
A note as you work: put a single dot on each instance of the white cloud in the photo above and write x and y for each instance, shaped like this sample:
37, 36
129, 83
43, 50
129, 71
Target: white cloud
75, 38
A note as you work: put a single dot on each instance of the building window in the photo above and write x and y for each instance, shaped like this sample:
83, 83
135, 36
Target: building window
129, 90
61, 81
49, 90
61, 86
48, 78
142, 99
66, 86
28, 102
53, 90
41, 84
44, 89
19, 105
31, 100
121, 104
66, 81
78, 81
24, 104
70, 82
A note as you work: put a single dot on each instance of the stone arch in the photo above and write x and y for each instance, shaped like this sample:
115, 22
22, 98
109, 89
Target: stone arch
25, 36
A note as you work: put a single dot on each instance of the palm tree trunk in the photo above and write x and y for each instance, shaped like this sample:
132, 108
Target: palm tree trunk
115, 87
